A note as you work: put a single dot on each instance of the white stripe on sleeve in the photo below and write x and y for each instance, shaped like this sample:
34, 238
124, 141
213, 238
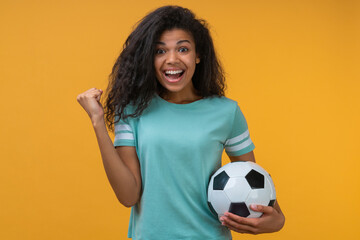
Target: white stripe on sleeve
240, 146
237, 138
126, 136
123, 127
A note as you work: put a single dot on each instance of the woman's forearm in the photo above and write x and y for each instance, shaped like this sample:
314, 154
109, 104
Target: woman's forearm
121, 179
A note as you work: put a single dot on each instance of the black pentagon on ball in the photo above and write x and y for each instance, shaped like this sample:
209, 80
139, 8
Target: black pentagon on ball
212, 208
220, 181
239, 209
271, 203
255, 179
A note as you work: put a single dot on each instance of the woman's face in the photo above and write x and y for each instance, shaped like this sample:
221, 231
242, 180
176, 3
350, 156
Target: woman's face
175, 61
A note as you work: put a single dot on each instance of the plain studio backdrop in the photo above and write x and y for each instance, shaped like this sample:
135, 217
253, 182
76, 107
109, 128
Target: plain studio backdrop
293, 66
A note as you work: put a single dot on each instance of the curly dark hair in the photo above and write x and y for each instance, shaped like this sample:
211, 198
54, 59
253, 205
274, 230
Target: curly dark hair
133, 79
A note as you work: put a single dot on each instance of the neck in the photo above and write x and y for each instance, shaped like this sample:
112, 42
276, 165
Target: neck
181, 98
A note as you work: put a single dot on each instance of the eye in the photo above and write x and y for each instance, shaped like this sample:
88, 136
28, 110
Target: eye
159, 51
183, 49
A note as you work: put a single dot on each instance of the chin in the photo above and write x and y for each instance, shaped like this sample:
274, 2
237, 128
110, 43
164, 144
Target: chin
172, 89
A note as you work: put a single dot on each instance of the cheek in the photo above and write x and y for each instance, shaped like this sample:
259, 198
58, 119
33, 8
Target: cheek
157, 63
191, 65
158, 77
191, 62
157, 69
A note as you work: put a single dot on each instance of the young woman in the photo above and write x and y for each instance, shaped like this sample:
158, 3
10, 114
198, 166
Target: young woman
172, 122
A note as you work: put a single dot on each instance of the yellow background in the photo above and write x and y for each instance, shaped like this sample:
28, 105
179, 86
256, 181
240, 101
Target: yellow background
293, 66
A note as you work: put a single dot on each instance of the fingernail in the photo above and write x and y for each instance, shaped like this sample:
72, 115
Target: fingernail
254, 206
226, 214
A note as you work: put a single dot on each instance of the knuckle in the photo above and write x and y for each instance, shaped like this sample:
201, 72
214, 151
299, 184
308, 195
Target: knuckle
256, 224
238, 220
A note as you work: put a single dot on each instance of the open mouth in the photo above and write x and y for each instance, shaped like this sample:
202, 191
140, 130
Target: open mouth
174, 76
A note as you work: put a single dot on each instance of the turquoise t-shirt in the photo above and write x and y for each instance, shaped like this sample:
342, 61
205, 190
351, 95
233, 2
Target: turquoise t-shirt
179, 147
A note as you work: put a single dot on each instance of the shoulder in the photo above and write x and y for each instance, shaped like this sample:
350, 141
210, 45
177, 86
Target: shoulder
223, 102
222, 99
129, 109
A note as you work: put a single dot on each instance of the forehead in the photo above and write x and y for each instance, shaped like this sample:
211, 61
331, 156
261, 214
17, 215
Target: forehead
175, 35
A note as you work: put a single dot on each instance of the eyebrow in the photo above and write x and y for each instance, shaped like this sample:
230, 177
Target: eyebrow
179, 42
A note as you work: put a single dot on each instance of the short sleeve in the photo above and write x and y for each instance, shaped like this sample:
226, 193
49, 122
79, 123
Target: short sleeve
239, 141
124, 134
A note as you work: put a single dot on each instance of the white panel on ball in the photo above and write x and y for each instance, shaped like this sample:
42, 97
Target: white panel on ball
235, 169
220, 202
259, 197
232, 189
211, 183
270, 184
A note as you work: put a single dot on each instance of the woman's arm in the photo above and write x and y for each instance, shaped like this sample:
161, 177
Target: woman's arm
121, 166
272, 219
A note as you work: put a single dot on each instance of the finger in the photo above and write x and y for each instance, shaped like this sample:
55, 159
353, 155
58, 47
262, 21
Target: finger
92, 90
98, 94
240, 223
235, 226
95, 93
252, 222
262, 208
237, 230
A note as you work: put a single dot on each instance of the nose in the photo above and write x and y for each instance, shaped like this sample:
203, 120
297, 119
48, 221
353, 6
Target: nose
172, 57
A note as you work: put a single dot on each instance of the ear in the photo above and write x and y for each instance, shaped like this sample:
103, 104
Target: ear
197, 60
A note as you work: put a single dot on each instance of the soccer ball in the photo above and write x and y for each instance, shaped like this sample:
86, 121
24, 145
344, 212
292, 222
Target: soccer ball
237, 185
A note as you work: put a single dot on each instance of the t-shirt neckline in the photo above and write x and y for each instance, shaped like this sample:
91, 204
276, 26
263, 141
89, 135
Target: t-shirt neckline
179, 105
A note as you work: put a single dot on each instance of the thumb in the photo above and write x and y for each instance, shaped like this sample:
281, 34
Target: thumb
99, 96
261, 208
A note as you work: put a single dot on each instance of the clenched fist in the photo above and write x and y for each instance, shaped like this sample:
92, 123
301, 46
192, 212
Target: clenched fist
90, 101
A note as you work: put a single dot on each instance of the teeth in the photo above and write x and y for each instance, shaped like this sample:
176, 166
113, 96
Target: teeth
174, 72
